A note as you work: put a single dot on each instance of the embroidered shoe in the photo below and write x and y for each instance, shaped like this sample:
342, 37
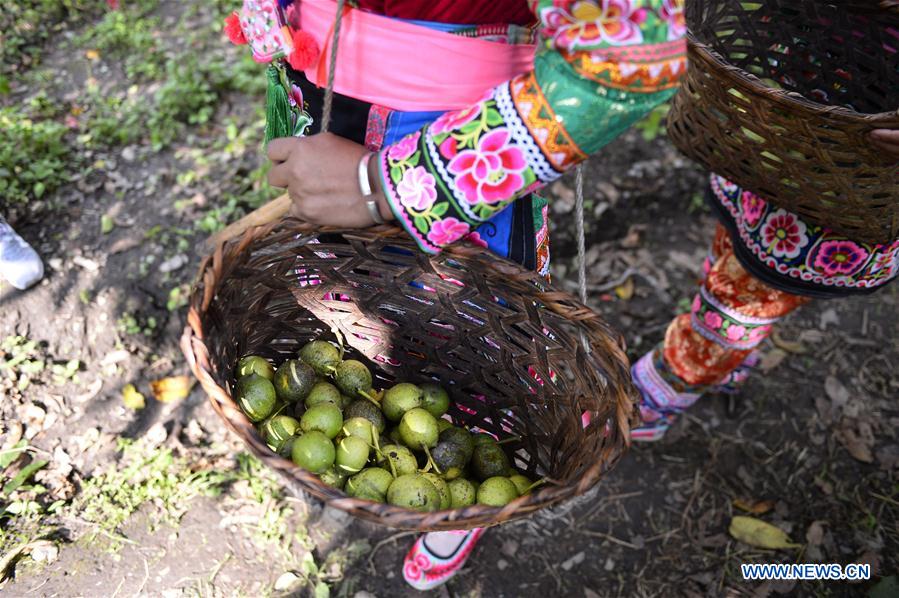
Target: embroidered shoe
19, 262
651, 431
663, 396
423, 569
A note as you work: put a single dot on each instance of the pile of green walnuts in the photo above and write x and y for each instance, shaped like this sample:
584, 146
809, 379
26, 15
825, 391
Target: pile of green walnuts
392, 446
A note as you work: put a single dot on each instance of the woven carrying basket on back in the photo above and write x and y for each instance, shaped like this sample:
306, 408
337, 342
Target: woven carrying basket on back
507, 347
780, 96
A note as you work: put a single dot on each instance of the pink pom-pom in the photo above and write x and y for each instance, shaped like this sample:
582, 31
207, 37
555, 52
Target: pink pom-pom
233, 30
305, 51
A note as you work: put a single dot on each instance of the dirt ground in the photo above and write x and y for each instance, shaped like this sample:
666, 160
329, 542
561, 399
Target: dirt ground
811, 443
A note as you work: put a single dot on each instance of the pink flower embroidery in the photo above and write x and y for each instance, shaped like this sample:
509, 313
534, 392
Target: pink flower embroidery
839, 258
448, 147
784, 234
443, 232
726, 185
753, 206
451, 121
886, 262
735, 332
757, 334
475, 237
713, 319
296, 96
415, 568
672, 12
491, 172
405, 147
592, 23
697, 303
418, 189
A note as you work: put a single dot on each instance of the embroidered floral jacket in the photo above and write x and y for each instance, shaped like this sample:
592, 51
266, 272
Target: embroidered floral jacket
603, 66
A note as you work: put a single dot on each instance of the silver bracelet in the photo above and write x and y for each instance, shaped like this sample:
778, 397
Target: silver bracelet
365, 189
364, 184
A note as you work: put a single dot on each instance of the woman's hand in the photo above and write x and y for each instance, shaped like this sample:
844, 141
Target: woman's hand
321, 175
887, 140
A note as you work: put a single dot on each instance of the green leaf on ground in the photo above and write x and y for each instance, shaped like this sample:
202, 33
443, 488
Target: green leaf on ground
22, 477
322, 590
758, 533
7, 456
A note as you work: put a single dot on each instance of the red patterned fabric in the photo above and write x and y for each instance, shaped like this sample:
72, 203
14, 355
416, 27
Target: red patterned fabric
696, 359
463, 12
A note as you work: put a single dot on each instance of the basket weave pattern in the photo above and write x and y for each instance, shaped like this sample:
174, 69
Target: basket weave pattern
488, 330
780, 97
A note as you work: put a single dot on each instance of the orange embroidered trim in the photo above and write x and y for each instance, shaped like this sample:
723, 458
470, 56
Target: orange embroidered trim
556, 144
637, 77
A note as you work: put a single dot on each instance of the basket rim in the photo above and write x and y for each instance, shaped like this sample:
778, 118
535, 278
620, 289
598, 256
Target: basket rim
193, 346
790, 99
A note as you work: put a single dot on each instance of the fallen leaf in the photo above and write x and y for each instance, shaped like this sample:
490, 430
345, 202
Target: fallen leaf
756, 507
789, 346
106, 224
92, 55
124, 244
286, 581
562, 191
835, 390
171, 389
857, 440
772, 359
132, 398
625, 291
815, 534
634, 236
758, 533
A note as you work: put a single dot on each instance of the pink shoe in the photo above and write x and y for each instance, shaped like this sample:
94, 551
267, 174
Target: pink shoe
424, 570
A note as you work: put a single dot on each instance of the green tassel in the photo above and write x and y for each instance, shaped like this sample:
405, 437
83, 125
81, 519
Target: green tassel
277, 107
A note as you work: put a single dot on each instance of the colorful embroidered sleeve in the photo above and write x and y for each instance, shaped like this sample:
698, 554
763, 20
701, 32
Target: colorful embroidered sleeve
605, 64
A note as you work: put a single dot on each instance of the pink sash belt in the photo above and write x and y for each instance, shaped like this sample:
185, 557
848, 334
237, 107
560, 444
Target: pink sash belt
407, 67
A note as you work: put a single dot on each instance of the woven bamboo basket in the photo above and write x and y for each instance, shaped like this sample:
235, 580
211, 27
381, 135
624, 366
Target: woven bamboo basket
508, 348
780, 96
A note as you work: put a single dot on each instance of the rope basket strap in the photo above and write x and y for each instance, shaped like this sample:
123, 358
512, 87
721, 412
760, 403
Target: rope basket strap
780, 97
